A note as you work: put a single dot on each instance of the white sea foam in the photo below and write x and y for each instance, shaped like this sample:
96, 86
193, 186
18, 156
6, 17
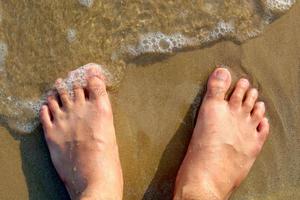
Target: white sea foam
279, 5
160, 43
71, 35
234, 27
87, 3
79, 75
221, 30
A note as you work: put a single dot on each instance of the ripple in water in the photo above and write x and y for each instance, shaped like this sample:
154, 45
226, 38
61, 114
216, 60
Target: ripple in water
231, 28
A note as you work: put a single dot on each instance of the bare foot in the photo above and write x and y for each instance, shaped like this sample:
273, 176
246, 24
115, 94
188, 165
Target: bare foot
82, 143
228, 136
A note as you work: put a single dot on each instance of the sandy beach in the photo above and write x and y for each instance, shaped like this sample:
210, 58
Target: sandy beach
154, 108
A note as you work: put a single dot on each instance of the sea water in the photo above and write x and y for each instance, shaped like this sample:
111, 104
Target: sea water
41, 40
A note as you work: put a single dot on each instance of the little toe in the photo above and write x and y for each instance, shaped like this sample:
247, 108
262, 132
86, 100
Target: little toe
250, 100
263, 129
45, 118
258, 112
63, 93
237, 97
53, 106
78, 92
218, 84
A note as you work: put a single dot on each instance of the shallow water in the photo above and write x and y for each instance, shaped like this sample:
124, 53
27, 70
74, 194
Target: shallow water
41, 41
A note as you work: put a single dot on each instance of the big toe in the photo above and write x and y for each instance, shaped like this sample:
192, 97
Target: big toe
96, 85
97, 91
218, 84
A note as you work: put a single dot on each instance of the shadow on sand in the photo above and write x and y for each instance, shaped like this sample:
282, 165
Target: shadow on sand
162, 185
43, 182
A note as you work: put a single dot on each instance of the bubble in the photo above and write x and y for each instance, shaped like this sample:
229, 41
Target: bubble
278, 5
238, 22
79, 76
71, 35
158, 42
87, 3
222, 29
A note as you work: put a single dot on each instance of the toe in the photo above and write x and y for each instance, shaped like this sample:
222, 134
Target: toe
53, 106
63, 93
250, 100
45, 118
78, 92
258, 112
263, 129
218, 84
96, 85
239, 92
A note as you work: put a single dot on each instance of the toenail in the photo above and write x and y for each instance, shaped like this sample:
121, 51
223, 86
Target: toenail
255, 92
92, 72
244, 82
221, 74
76, 84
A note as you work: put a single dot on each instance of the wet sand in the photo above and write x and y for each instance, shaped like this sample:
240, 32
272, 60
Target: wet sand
154, 109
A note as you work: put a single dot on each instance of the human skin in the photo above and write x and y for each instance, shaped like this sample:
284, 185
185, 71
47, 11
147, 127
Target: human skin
228, 136
80, 135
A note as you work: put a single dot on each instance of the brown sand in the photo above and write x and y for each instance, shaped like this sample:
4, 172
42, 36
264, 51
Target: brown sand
154, 109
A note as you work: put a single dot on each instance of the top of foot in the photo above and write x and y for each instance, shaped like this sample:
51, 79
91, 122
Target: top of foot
81, 139
228, 136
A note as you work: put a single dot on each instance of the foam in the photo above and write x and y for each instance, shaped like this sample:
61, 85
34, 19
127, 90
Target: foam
279, 5
71, 35
221, 30
237, 27
3, 54
87, 3
23, 114
79, 75
158, 42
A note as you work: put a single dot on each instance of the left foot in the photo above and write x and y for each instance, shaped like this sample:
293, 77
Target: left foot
81, 139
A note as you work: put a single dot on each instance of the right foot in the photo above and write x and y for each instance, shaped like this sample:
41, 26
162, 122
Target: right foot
228, 136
